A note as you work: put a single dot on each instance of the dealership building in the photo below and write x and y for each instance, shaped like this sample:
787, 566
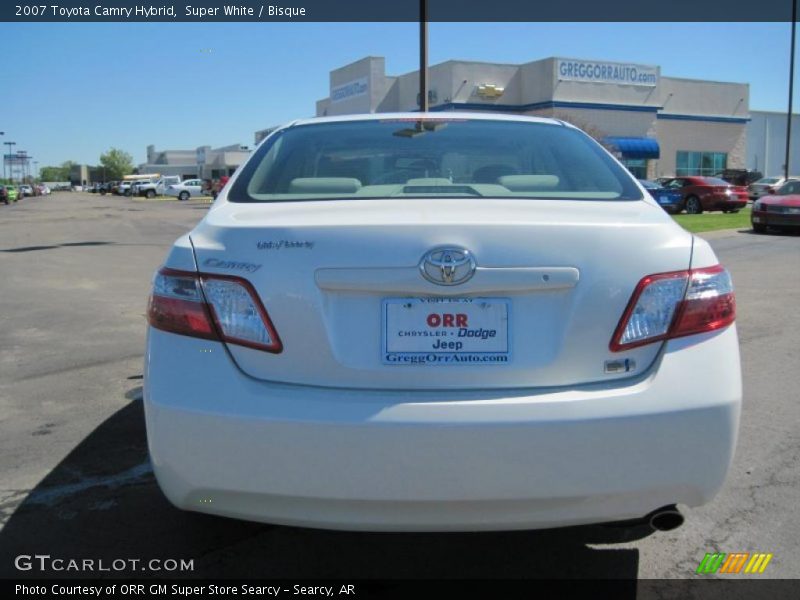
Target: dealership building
766, 143
203, 162
656, 125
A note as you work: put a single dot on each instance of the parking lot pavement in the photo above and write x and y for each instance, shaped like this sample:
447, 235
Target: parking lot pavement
75, 481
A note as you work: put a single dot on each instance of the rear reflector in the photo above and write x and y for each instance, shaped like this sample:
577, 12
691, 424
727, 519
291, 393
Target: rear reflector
670, 305
215, 307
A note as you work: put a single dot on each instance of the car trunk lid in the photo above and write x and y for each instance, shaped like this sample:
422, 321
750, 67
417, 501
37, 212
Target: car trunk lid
553, 277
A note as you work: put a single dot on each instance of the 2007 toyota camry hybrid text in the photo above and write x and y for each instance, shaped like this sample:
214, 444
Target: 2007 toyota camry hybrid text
420, 321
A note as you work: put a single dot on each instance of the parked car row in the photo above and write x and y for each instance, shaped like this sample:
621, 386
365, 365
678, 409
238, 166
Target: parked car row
11, 193
101, 188
776, 200
697, 194
169, 185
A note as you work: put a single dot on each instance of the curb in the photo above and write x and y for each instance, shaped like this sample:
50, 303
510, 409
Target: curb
721, 233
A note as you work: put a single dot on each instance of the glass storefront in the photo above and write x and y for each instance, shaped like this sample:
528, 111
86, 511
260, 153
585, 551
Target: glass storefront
706, 164
637, 167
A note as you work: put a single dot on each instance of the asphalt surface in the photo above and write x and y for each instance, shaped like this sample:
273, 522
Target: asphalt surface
75, 481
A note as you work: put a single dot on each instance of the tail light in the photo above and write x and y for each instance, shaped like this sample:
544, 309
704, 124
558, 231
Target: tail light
214, 307
671, 305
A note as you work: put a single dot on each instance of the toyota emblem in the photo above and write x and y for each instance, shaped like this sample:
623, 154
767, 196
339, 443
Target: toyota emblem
448, 265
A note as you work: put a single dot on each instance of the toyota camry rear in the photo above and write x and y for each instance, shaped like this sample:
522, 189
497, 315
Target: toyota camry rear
439, 322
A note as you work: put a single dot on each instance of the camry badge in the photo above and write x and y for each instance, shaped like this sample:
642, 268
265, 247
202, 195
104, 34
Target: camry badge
448, 265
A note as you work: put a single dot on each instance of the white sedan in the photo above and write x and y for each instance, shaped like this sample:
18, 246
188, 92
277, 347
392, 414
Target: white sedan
410, 322
191, 188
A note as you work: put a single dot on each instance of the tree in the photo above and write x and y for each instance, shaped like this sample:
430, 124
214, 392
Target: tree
57, 173
117, 163
51, 174
598, 134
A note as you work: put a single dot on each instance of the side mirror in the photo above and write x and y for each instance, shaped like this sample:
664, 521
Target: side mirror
771, 190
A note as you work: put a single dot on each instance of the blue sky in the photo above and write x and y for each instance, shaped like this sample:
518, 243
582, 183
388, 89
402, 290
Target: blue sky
81, 88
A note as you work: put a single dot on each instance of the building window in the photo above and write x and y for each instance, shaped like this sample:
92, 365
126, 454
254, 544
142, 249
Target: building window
700, 163
637, 167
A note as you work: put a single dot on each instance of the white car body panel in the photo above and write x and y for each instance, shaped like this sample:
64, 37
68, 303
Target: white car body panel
324, 434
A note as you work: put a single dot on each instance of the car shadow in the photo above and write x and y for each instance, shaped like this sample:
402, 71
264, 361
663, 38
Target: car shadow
64, 245
101, 502
783, 231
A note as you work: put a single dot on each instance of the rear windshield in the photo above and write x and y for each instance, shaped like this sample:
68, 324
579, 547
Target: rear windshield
715, 181
789, 188
398, 158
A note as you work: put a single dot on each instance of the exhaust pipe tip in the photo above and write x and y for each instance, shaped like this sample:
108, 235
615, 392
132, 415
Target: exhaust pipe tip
666, 518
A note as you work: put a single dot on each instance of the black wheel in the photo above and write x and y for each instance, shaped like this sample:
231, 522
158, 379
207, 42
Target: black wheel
734, 211
150, 193
183, 195
102, 192
128, 192
693, 206
759, 227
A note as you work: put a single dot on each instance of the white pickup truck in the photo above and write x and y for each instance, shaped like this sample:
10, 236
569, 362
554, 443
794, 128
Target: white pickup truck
156, 188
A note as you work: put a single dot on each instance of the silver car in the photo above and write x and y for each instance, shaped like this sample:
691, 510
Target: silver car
766, 185
191, 188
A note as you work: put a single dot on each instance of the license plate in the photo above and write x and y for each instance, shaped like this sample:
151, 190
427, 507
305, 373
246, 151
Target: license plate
756, 219
794, 211
446, 331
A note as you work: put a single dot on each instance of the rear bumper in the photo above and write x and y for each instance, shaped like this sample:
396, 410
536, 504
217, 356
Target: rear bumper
226, 444
729, 204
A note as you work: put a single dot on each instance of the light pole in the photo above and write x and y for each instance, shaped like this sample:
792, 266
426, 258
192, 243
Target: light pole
10, 165
36, 169
791, 91
423, 56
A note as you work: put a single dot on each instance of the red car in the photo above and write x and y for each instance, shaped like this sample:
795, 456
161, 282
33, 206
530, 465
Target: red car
777, 209
708, 193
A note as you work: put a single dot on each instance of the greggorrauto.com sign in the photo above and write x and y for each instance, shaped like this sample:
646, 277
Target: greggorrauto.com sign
348, 90
605, 72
